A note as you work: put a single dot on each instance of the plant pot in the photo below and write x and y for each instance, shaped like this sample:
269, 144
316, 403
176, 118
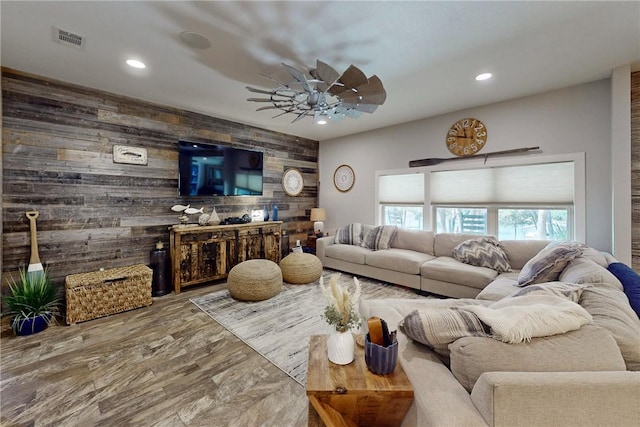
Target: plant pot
341, 348
30, 325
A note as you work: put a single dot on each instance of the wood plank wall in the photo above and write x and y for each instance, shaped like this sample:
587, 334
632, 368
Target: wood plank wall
635, 170
57, 145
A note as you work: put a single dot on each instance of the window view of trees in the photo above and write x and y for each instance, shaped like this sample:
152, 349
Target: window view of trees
512, 224
410, 217
540, 224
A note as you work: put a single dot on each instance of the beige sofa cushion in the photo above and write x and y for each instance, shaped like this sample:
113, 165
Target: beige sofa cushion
585, 270
520, 251
414, 240
349, 253
610, 310
447, 269
586, 349
503, 285
445, 242
402, 260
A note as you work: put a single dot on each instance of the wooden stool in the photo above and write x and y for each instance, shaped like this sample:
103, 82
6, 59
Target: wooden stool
300, 268
255, 280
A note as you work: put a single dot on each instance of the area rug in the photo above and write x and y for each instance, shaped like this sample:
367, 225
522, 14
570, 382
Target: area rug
279, 328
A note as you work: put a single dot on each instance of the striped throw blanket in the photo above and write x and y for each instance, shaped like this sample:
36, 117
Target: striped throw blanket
511, 320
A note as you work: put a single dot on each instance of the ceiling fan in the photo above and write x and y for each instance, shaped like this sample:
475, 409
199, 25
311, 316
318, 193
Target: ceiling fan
327, 95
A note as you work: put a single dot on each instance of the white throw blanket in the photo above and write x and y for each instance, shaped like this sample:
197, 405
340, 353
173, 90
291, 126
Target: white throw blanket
511, 320
518, 319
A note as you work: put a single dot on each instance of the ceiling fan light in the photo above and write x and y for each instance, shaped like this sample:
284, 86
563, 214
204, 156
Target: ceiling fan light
483, 76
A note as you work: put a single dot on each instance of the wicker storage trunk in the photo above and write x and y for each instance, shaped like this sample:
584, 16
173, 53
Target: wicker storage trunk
100, 293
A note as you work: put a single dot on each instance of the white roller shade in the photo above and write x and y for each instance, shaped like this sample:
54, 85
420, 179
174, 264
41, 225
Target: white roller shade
399, 189
550, 183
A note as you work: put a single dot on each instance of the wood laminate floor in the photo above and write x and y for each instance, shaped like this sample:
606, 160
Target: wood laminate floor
168, 364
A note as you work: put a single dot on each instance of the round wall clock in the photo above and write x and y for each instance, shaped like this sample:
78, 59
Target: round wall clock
292, 182
344, 178
466, 137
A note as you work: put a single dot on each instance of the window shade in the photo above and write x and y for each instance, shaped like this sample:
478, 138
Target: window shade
550, 183
405, 188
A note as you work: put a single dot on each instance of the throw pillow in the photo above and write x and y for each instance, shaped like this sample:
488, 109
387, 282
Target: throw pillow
570, 291
630, 282
547, 265
482, 252
438, 327
379, 237
349, 235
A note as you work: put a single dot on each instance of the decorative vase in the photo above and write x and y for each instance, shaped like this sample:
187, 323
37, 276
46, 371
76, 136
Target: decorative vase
341, 348
30, 325
265, 213
214, 219
274, 217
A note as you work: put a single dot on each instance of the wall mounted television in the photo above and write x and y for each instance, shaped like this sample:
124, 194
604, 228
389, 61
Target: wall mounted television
218, 170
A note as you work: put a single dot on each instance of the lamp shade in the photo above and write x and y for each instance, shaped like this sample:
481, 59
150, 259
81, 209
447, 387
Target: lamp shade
318, 214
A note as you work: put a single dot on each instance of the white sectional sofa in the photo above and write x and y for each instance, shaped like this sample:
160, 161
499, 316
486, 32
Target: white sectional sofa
586, 376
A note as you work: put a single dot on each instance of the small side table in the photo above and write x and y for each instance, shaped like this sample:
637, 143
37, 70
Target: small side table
311, 242
351, 394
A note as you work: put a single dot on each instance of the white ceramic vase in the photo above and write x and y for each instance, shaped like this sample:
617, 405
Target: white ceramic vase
341, 347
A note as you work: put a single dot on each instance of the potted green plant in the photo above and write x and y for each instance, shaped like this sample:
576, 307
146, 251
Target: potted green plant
33, 302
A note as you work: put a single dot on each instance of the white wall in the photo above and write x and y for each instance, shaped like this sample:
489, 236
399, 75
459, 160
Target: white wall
570, 120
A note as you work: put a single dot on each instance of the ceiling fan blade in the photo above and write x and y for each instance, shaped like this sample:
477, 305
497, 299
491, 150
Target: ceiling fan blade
326, 73
299, 76
259, 99
371, 93
301, 115
351, 78
273, 107
266, 92
364, 108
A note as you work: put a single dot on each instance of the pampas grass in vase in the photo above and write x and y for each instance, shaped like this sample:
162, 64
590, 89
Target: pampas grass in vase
341, 312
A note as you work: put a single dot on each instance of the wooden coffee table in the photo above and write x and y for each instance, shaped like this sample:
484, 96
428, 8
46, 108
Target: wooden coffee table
351, 395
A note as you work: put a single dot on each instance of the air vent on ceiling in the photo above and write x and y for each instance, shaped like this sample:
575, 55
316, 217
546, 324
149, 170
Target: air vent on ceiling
67, 38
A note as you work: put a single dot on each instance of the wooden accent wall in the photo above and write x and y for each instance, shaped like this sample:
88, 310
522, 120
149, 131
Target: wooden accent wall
57, 148
635, 170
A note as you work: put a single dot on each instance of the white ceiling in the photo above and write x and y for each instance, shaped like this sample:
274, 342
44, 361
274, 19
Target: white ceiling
426, 53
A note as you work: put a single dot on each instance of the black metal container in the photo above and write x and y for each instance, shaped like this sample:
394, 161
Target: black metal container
159, 263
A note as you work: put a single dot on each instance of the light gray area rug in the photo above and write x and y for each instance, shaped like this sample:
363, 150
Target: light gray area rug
279, 328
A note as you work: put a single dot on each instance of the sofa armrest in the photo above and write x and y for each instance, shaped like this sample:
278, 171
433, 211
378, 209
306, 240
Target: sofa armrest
321, 244
558, 398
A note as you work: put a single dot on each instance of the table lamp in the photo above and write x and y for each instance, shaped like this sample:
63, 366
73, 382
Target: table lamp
318, 215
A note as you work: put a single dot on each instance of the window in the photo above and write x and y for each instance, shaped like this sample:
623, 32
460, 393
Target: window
506, 223
401, 200
511, 202
540, 224
461, 220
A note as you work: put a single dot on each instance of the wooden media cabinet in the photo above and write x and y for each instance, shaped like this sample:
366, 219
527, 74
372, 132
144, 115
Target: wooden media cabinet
201, 254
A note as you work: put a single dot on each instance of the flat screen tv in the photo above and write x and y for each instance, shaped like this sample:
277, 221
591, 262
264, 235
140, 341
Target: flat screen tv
218, 170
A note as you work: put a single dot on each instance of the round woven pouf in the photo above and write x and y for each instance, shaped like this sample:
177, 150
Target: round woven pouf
299, 268
255, 280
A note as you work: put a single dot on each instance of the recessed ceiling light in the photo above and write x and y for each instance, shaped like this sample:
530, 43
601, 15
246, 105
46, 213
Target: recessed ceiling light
135, 63
321, 122
483, 76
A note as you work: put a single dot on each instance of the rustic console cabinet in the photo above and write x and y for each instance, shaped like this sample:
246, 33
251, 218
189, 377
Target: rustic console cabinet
201, 254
